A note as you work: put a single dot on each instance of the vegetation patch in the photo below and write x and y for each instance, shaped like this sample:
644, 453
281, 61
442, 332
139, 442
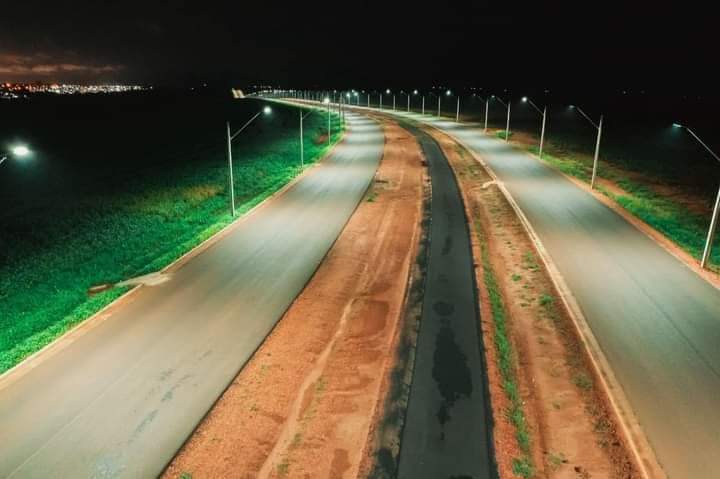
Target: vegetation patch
673, 219
522, 466
52, 255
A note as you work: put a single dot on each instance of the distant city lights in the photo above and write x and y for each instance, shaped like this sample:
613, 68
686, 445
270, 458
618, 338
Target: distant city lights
11, 91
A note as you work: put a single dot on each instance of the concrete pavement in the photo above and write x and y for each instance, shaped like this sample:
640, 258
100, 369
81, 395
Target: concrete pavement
657, 322
121, 399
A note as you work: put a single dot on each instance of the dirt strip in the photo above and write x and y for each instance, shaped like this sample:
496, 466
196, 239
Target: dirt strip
571, 433
307, 402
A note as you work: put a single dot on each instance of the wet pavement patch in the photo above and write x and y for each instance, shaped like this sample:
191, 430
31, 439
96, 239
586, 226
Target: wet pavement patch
450, 371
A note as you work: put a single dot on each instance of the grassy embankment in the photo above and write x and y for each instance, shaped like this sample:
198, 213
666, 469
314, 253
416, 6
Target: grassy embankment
134, 228
634, 193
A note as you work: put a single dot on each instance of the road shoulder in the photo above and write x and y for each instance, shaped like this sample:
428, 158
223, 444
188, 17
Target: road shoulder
309, 399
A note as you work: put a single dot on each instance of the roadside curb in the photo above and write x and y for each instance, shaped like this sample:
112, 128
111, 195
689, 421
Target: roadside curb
68, 337
660, 239
634, 436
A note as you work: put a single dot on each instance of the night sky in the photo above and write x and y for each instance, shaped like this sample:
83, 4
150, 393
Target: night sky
359, 44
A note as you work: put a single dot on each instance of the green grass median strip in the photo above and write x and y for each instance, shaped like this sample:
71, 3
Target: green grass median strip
522, 466
133, 231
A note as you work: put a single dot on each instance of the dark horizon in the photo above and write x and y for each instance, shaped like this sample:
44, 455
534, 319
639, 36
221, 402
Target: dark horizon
364, 45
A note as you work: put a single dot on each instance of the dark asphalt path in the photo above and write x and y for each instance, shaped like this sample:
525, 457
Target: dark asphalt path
122, 398
446, 431
657, 322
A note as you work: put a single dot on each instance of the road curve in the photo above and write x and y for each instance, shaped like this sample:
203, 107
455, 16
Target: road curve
120, 400
447, 430
657, 322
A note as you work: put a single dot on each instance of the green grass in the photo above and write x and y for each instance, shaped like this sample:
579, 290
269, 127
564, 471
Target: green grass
522, 466
683, 227
133, 230
501, 134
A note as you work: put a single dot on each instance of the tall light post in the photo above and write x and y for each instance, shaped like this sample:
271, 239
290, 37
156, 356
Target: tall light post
507, 123
543, 112
716, 209
302, 142
230, 138
18, 151
598, 126
457, 111
327, 102
487, 105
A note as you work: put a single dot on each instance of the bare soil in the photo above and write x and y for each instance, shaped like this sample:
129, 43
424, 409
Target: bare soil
572, 433
307, 403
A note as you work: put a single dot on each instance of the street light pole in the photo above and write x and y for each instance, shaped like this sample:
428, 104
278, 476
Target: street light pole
423, 104
439, 96
487, 104
716, 209
230, 169
507, 124
457, 112
230, 138
543, 112
327, 100
408, 110
393, 102
598, 126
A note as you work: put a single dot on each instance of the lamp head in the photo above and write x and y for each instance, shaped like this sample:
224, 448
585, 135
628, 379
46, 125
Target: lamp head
415, 92
524, 99
387, 91
448, 93
677, 125
267, 110
20, 151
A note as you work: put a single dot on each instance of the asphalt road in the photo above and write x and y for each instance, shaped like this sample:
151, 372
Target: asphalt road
657, 322
121, 399
446, 431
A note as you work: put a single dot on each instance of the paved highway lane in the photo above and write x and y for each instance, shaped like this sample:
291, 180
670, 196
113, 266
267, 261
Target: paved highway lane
121, 399
657, 322
447, 426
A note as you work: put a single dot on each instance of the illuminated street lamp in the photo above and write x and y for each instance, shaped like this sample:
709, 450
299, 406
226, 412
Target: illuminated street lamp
327, 102
543, 112
716, 209
447, 93
230, 138
18, 151
598, 126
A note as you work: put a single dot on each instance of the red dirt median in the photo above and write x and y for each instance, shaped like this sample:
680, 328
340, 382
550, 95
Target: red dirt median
305, 405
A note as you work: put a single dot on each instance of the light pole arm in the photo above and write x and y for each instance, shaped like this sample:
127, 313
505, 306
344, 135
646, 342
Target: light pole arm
498, 99
2, 159
587, 118
532, 103
232, 137
702, 143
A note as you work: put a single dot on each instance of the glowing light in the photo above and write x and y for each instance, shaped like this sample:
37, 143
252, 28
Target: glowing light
677, 125
326, 101
415, 92
387, 91
267, 110
524, 99
20, 151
